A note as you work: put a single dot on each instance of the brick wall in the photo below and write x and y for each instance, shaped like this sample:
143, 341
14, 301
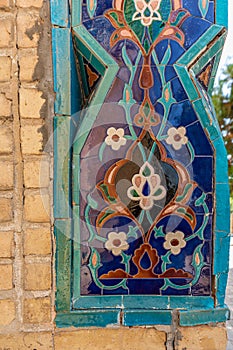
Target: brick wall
26, 240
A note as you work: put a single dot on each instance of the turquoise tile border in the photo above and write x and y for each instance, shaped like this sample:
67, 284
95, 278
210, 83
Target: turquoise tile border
133, 310
65, 75
200, 45
148, 317
91, 48
197, 317
62, 232
221, 282
222, 12
62, 154
60, 12
76, 13
88, 318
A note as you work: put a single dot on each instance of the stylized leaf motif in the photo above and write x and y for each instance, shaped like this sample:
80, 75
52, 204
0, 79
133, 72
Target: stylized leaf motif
116, 18
91, 7
203, 6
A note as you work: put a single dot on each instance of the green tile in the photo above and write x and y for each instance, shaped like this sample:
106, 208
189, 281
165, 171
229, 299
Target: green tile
222, 208
76, 179
98, 302
150, 302
221, 254
88, 319
191, 302
201, 43
62, 163
62, 232
59, 12
220, 285
222, 12
147, 317
76, 13
188, 85
197, 317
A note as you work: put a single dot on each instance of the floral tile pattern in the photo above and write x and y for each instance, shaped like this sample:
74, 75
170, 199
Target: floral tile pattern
147, 165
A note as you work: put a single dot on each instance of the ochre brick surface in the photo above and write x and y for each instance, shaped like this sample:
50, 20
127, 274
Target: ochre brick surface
6, 280
202, 338
5, 4
26, 341
37, 241
37, 276
37, 310
27, 28
6, 171
6, 244
6, 140
5, 209
36, 173
31, 103
5, 68
36, 207
28, 60
6, 32
109, 339
32, 138
5, 104
30, 3
7, 314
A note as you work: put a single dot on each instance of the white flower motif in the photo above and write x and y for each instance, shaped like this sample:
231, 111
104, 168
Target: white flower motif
147, 11
146, 187
115, 138
116, 243
174, 242
177, 138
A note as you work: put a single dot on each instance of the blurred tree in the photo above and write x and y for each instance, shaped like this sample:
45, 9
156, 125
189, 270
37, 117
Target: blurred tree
223, 103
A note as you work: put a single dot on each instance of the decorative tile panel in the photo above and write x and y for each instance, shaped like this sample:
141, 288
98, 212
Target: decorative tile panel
144, 193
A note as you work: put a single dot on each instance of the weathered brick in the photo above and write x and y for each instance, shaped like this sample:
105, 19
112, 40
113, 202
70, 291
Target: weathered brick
6, 244
7, 314
6, 32
36, 173
6, 280
37, 276
36, 207
27, 28
28, 60
6, 171
37, 241
26, 341
118, 339
5, 209
5, 3
5, 104
32, 138
6, 139
5, 68
37, 310
30, 3
31, 103
204, 337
